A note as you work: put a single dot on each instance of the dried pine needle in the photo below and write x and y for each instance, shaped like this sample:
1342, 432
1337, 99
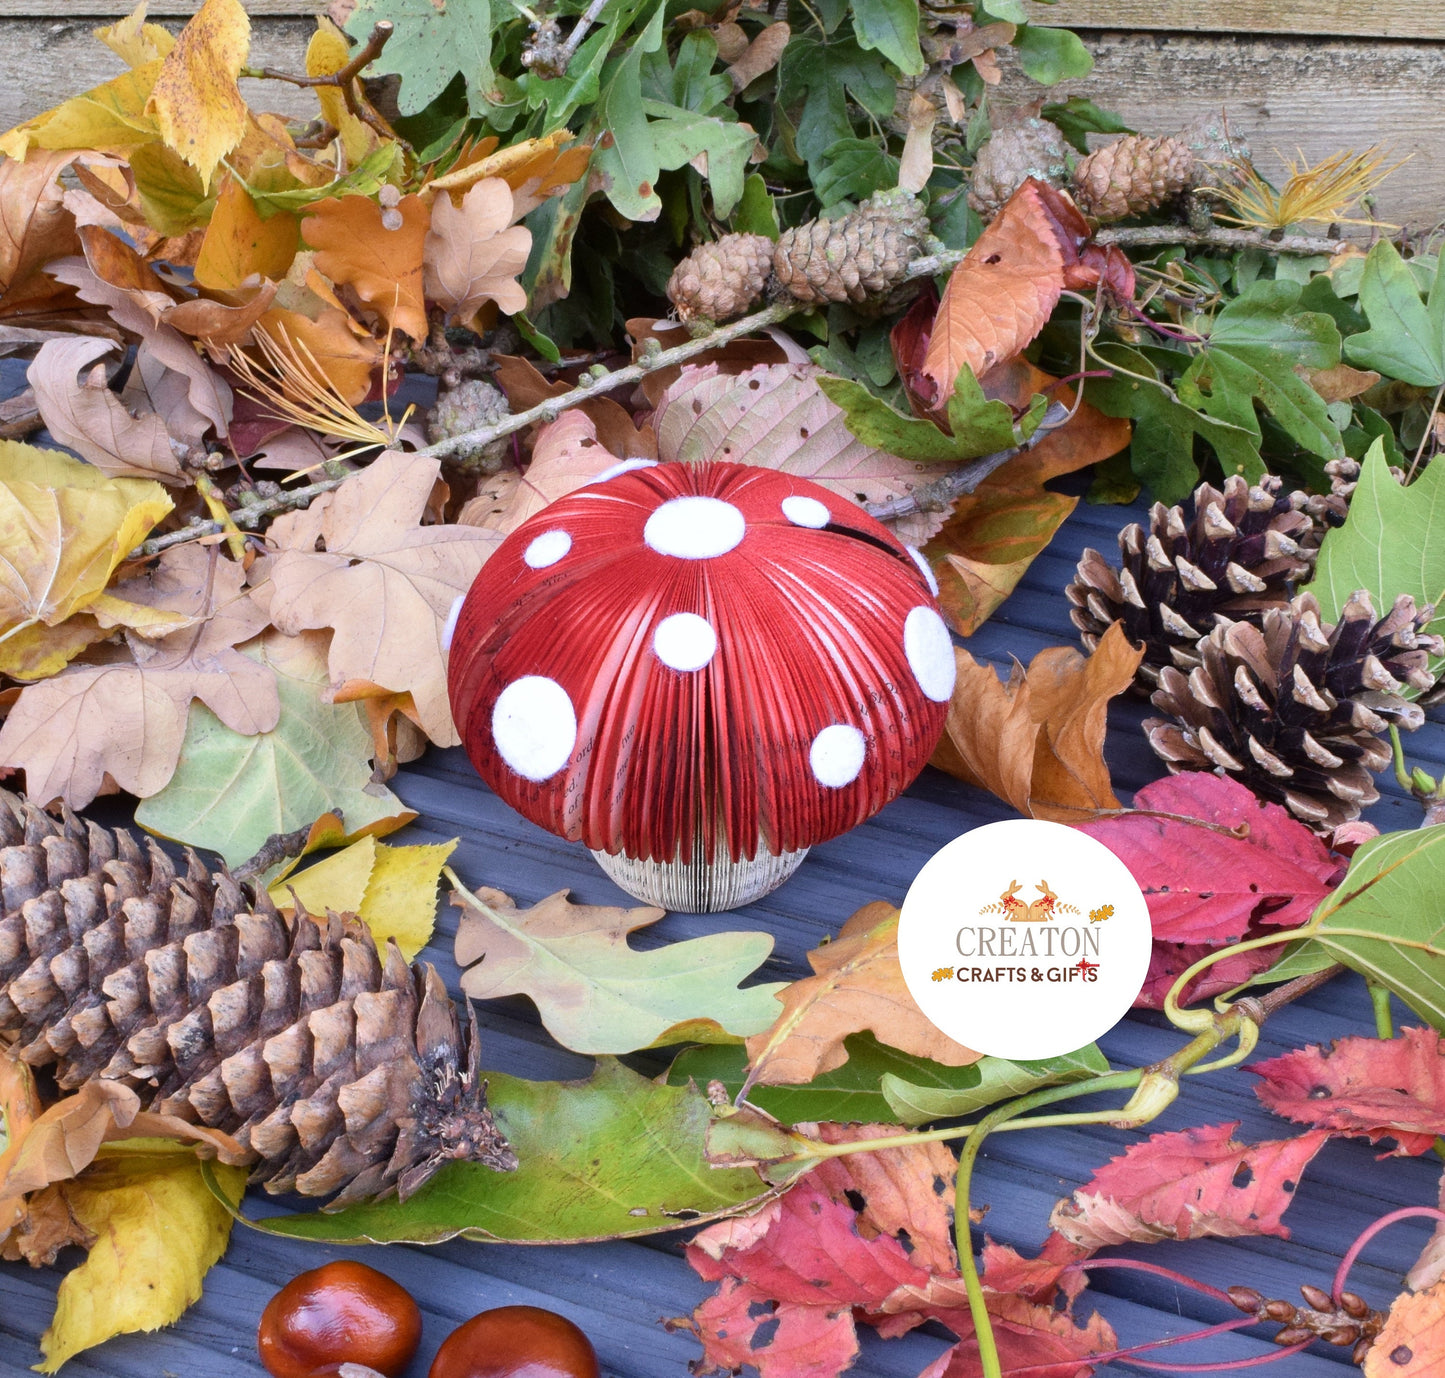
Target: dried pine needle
1324, 192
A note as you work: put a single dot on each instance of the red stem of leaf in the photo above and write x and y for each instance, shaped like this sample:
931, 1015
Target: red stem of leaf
1183, 1279
1370, 1231
1239, 1323
1188, 337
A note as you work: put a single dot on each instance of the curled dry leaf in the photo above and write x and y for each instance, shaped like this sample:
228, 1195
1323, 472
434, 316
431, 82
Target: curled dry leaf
858, 984
19, 1106
471, 256
534, 169
90, 419
121, 722
761, 55
358, 561
1381, 1088
595, 992
1037, 740
35, 228
1186, 1184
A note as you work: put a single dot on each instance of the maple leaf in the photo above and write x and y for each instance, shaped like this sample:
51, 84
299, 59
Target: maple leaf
1185, 1184
1376, 1087
1413, 1339
123, 720
858, 984
377, 251
1037, 740
1005, 289
596, 994
471, 256
357, 561
199, 110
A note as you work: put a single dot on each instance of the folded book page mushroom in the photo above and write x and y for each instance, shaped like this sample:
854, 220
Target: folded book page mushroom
700, 671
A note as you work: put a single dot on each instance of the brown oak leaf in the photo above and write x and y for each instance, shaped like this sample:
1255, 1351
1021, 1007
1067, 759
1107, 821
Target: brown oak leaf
376, 250
35, 227
858, 984
473, 253
358, 561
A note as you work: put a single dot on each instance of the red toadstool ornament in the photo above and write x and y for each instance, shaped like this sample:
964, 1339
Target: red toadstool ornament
700, 671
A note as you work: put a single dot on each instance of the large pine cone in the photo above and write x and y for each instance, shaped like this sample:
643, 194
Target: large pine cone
1294, 708
856, 256
1237, 554
721, 280
1033, 147
337, 1068
1132, 176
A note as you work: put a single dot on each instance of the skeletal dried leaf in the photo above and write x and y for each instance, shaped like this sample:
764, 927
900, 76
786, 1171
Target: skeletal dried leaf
471, 256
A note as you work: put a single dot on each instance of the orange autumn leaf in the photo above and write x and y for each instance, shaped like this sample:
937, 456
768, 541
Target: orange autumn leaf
239, 244
1037, 740
1413, 1341
1001, 295
534, 169
345, 359
355, 246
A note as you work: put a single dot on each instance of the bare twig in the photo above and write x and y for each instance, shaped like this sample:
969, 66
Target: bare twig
1141, 236
344, 79
249, 515
585, 21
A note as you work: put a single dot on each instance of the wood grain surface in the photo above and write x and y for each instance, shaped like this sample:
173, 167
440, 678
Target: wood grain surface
1382, 19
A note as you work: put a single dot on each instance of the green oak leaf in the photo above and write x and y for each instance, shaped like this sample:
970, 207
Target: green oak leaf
595, 993
890, 27
430, 45
612, 1157
230, 793
1386, 921
1406, 338
1392, 542
818, 75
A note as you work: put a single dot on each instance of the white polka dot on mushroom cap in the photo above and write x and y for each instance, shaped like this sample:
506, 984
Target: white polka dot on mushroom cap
924, 568
625, 466
684, 641
929, 649
803, 511
547, 549
694, 528
836, 755
534, 726
449, 630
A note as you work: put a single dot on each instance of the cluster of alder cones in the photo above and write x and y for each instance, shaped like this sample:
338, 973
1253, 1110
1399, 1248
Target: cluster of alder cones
851, 258
1252, 681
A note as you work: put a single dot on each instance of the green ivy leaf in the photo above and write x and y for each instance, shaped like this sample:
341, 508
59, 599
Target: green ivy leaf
756, 212
822, 74
1077, 118
1392, 542
612, 1157
890, 27
1384, 920
1406, 338
431, 44
853, 169
1049, 56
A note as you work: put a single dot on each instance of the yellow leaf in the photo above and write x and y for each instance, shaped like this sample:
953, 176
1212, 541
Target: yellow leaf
135, 41
38, 651
534, 169
158, 1230
238, 243
19, 1106
109, 118
336, 882
198, 106
329, 52
64, 527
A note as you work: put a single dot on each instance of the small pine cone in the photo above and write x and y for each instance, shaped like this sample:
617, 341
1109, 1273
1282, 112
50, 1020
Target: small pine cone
1031, 148
1237, 554
721, 280
853, 257
1295, 708
1131, 176
336, 1067
472, 403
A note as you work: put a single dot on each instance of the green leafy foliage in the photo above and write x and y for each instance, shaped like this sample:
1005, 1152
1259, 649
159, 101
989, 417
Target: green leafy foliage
890, 27
1049, 56
817, 77
432, 43
1406, 338
995, 1079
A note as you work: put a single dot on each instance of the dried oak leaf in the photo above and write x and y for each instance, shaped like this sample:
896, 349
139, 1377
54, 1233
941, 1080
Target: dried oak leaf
1186, 1184
121, 722
473, 252
1412, 1344
1216, 865
376, 251
1374, 1087
35, 227
358, 562
616, 430
1037, 740
1005, 289
347, 360
87, 417
858, 984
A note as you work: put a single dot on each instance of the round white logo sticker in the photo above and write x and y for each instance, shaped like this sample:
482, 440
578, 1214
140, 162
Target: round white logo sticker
1024, 939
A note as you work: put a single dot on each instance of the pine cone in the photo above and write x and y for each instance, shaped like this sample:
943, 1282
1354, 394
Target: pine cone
1131, 176
1236, 555
472, 403
855, 256
335, 1066
1031, 148
1294, 708
721, 280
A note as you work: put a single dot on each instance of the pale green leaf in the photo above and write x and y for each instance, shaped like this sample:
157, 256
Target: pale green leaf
890, 27
997, 1079
1405, 339
431, 44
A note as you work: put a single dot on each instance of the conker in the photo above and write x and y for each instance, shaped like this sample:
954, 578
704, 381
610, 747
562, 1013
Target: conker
342, 1312
516, 1342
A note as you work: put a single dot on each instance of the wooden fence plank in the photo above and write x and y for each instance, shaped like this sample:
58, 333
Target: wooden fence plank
1284, 94
1383, 19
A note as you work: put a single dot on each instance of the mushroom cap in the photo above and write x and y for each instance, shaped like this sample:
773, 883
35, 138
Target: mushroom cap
683, 655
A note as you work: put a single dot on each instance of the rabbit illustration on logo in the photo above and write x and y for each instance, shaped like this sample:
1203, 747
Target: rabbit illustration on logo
1047, 906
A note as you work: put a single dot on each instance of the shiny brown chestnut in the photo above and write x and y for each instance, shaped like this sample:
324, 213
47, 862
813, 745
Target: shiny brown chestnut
343, 1312
516, 1342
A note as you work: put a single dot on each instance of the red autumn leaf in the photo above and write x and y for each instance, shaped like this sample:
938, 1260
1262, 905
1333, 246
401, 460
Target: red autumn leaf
742, 1325
1376, 1087
1007, 1270
1046, 1342
1169, 961
909, 338
1185, 1184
